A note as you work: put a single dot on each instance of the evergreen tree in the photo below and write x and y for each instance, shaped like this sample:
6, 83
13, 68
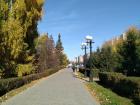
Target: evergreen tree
59, 46
103, 59
59, 50
120, 55
52, 62
129, 51
62, 58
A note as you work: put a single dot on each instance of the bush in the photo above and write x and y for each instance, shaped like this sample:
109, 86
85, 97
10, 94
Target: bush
130, 87
110, 78
95, 72
24, 69
127, 86
12, 83
82, 70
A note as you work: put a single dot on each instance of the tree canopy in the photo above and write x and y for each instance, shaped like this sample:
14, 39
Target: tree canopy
18, 30
121, 54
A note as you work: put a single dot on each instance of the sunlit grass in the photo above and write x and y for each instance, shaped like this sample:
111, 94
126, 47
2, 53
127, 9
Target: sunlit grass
106, 96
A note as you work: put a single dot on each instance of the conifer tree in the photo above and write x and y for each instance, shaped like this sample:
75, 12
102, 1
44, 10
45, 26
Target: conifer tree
62, 58
52, 59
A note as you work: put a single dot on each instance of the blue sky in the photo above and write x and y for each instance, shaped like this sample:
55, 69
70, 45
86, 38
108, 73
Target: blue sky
74, 19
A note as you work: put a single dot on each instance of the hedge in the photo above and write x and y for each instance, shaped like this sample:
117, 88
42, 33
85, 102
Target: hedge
126, 86
12, 83
106, 96
82, 70
94, 71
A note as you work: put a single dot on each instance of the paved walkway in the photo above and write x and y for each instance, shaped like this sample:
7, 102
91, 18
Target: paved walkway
60, 89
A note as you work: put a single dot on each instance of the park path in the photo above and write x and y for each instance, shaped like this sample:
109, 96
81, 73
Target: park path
61, 88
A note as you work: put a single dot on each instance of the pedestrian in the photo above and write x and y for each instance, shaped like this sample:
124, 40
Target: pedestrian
73, 67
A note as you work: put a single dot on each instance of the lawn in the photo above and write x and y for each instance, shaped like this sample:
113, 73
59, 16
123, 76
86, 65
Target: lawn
106, 96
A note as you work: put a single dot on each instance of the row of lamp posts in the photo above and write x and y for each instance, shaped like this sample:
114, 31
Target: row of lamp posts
89, 42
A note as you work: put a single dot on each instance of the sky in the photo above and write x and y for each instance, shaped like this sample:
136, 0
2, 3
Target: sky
75, 19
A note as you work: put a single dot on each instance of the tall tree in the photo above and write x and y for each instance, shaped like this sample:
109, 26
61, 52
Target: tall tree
103, 59
138, 55
62, 58
59, 49
18, 28
12, 44
33, 14
42, 52
59, 45
128, 51
52, 60
47, 53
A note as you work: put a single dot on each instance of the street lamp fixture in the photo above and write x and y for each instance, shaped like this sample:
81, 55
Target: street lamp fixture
84, 47
89, 38
89, 41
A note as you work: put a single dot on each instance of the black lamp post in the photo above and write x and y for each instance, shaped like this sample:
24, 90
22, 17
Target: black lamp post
76, 58
89, 41
84, 47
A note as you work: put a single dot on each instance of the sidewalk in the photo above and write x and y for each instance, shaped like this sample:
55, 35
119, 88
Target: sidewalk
60, 89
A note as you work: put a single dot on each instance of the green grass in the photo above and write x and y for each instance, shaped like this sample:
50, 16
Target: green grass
106, 96
80, 75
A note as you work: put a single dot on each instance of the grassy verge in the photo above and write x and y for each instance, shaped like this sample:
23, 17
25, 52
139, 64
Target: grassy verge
80, 75
106, 96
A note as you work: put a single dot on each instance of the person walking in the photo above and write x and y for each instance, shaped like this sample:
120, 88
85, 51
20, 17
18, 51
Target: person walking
73, 67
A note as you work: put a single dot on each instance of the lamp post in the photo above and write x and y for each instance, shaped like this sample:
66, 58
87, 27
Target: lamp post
84, 47
76, 60
89, 41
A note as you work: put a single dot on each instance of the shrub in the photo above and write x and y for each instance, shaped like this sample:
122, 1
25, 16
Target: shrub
24, 69
127, 86
110, 78
82, 70
12, 83
95, 72
130, 87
